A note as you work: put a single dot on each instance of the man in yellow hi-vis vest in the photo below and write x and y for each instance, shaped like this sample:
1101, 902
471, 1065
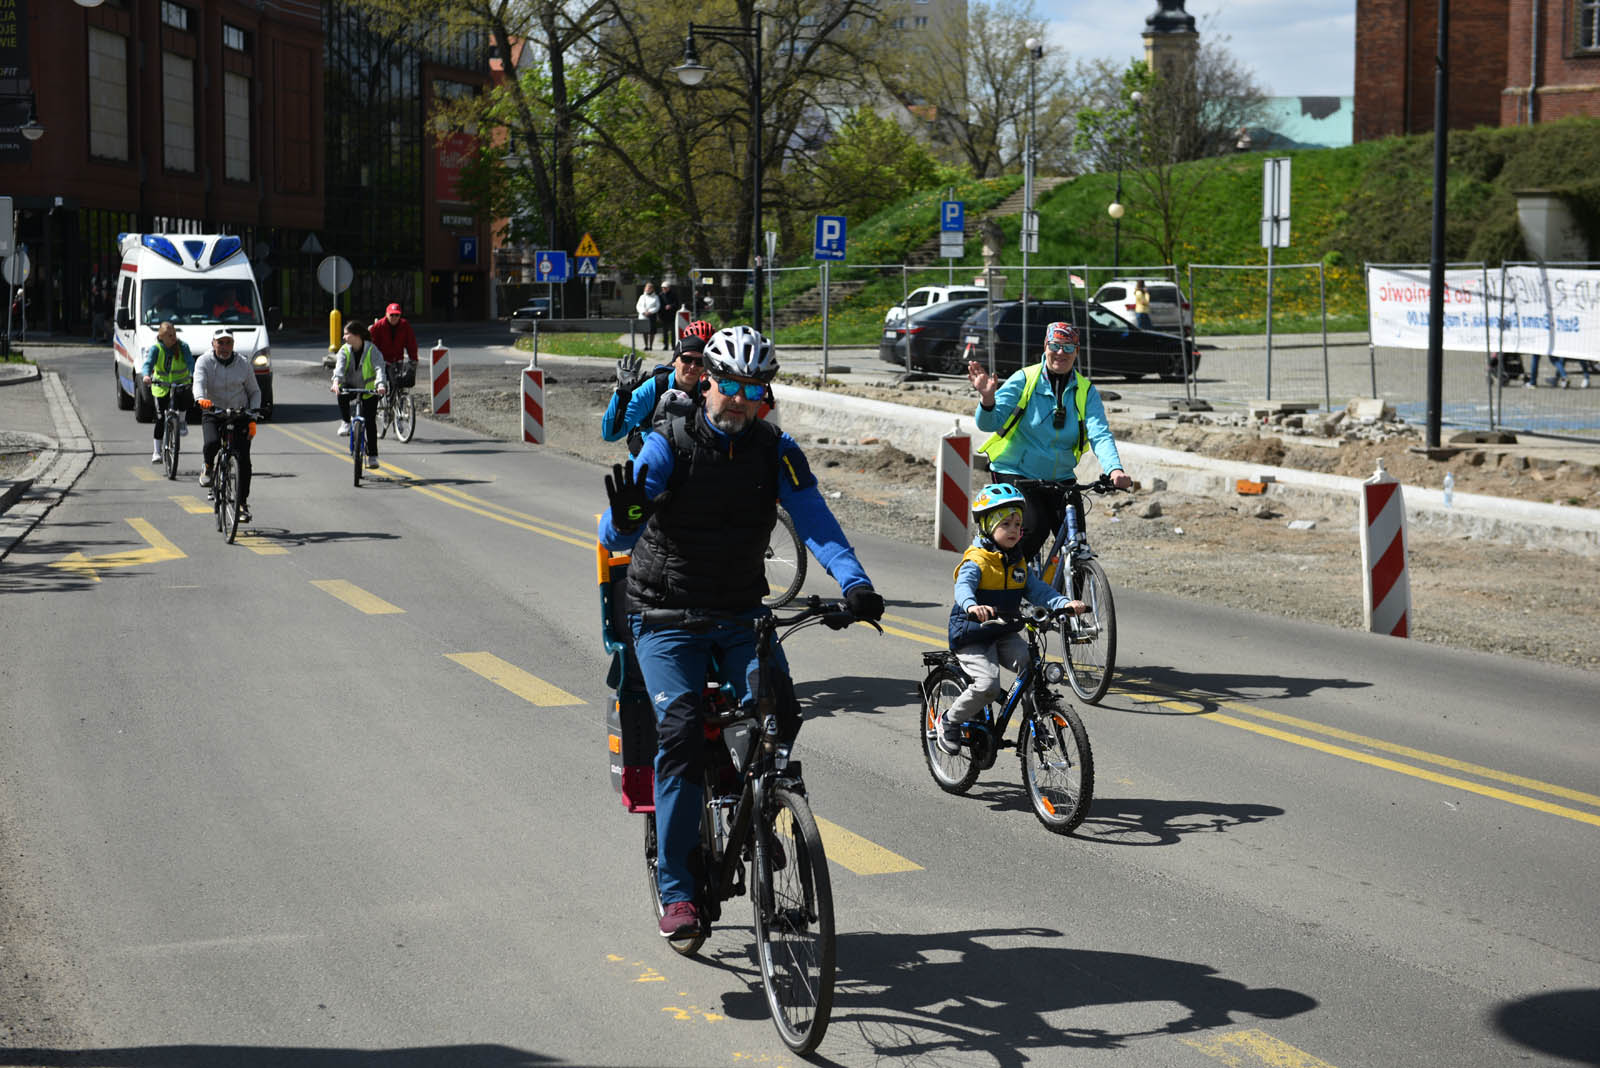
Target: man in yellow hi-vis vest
1040, 433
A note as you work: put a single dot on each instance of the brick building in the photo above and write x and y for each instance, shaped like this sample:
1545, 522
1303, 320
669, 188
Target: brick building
1499, 50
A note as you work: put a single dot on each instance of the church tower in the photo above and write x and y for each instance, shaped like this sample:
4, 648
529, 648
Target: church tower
1170, 40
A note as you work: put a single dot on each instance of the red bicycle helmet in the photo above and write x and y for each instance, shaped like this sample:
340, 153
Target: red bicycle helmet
694, 337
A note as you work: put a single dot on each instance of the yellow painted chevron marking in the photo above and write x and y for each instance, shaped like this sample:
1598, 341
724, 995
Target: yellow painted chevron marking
356, 597
147, 474
508, 676
191, 504
1254, 1049
858, 855
158, 551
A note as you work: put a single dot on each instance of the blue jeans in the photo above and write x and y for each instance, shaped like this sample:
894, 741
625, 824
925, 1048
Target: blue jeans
676, 662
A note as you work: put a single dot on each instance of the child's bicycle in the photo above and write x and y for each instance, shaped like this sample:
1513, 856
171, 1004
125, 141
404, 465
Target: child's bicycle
1052, 744
1090, 649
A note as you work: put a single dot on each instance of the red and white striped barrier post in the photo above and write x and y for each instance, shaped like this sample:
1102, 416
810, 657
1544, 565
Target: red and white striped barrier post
532, 405
953, 484
439, 372
1385, 587
680, 323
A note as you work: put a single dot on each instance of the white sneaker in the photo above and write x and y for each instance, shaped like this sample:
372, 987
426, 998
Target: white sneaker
1585, 384
205, 477
949, 734
155, 454
1561, 383
372, 461
344, 429
183, 427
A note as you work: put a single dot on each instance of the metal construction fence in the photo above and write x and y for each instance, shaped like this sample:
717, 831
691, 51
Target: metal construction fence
1521, 344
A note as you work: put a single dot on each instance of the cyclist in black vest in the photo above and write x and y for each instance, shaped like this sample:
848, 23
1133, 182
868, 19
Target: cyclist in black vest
697, 517
637, 402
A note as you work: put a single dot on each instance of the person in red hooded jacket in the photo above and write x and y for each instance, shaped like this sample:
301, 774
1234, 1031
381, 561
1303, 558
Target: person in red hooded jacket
394, 337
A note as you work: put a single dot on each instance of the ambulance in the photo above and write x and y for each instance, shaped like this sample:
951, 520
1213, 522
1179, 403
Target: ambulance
201, 283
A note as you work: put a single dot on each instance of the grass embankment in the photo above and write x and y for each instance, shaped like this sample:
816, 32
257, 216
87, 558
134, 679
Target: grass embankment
1370, 202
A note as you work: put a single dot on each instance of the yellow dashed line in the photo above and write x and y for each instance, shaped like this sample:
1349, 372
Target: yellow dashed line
356, 597
1254, 1049
508, 676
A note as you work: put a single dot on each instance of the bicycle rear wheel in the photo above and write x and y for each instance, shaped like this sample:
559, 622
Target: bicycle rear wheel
793, 920
687, 947
405, 416
1091, 642
385, 416
169, 446
228, 497
1057, 767
358, 446
786, 562
954, 772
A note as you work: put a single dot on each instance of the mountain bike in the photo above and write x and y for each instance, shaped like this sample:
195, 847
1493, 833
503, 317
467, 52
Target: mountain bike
398, 408
358, 430
1051, 743
1090, 650
786, 562
755, 811
225, 468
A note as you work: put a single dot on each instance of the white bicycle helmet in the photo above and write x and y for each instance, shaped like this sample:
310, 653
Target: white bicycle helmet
741, 352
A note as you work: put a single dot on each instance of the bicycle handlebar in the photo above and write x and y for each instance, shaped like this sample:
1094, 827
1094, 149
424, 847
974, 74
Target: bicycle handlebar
1101, 485
816, 611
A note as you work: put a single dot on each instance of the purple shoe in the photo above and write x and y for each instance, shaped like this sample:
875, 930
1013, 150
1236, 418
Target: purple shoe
680, 921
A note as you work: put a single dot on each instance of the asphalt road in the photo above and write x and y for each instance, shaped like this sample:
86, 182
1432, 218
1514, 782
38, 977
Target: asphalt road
337, 795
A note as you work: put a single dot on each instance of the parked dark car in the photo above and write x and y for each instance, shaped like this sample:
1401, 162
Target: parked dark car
932, 334
1107, 344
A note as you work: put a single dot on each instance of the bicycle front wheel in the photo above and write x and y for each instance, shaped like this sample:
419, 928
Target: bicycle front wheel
794, 920
405, 416
358, 447
228, 497
1057, 767
169, 446
385, 416
786, 562
1091, 640
954, 772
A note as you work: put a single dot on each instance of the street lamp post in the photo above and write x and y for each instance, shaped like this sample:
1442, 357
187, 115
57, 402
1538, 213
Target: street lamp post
1030, 219
692, 73
1116, 209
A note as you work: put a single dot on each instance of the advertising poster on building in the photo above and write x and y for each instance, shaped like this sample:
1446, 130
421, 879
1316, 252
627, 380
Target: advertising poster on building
15, 81
452, 154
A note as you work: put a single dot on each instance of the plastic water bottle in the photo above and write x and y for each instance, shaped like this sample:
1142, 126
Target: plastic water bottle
1449, 488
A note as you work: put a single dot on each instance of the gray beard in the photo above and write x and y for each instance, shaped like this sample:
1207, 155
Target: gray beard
728, 421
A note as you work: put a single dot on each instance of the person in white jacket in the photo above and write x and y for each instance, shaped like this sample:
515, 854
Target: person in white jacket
221, 381
647, 308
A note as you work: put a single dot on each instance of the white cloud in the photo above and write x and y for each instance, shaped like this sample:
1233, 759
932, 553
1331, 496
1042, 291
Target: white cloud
1305, 48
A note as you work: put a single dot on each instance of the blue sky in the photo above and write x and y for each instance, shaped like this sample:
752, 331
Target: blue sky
1294, 47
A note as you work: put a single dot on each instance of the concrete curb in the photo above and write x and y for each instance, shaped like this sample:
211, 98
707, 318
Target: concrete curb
54, 473
1524, 523
14, 373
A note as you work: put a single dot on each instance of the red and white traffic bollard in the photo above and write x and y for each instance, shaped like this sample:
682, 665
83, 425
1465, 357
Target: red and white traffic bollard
1385, 586
439, 368
953, 487
532, 405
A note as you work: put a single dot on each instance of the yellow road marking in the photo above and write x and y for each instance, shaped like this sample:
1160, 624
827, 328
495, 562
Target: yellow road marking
159, 550
147, 474
530, 688
1417, 754
356, 597
191, 504
859, 855
1407, 769
1254, 1049
267, 547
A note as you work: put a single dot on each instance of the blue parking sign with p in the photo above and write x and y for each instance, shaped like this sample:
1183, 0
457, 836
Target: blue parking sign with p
952, 216
830, 238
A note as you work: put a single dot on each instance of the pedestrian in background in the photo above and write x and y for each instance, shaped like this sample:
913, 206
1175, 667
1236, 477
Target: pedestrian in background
667, 316
647, 308
1141, 305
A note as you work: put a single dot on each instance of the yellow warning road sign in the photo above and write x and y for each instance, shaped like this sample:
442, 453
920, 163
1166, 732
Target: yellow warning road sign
587, 247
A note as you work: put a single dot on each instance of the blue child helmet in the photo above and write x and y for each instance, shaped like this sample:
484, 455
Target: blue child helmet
995, 497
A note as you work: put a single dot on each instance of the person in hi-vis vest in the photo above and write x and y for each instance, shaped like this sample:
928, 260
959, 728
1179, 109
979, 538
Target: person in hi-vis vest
1040, 422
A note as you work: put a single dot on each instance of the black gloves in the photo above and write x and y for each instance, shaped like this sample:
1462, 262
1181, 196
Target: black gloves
630, 506
628, 373
864, 602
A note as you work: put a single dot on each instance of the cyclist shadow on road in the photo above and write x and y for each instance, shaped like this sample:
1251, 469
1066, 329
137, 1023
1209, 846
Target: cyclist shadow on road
926, 995
1233, 686
1139, 821
855, 694
281, 536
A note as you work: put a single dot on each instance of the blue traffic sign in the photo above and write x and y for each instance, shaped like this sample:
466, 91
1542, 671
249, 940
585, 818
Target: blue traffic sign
466, 250
952, 216
830, 237
588, 266
550, 266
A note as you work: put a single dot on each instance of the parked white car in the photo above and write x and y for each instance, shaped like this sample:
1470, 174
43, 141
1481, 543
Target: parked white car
923, 296
1169, 308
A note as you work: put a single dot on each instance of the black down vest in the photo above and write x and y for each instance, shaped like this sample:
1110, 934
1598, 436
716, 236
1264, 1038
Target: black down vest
706, 545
